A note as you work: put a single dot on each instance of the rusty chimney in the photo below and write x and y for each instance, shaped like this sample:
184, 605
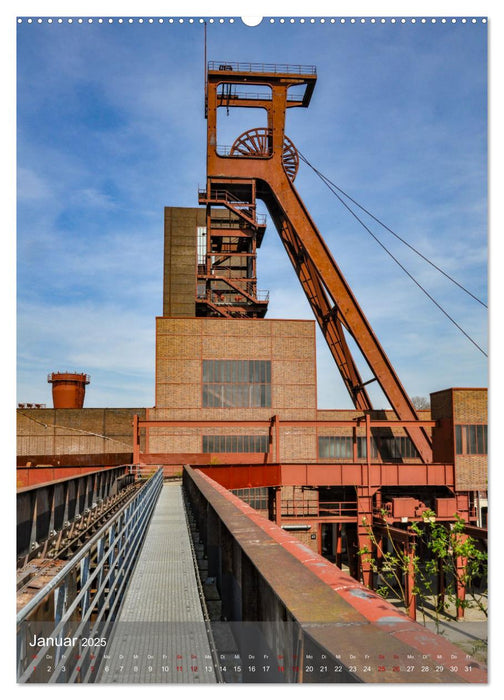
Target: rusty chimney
68, 389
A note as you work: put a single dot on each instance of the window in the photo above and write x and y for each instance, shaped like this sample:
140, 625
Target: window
397, 448
236, 383
471, 439
256, 497
235, 443
341, 447
202, 244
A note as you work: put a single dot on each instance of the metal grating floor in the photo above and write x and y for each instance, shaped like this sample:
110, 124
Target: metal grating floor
160, 635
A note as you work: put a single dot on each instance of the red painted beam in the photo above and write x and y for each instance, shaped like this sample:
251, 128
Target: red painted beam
38, 476
357, 422
238, 476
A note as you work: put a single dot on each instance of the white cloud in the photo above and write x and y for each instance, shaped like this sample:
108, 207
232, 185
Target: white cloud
93, 198
31, 186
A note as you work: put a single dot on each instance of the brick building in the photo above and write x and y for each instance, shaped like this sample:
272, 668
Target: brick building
241, 389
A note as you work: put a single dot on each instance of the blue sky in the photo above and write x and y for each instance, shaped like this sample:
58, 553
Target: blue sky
111, 130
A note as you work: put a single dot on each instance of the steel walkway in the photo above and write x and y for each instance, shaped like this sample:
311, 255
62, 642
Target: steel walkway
160, 635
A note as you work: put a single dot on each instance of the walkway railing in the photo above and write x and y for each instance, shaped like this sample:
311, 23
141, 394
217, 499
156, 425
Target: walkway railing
62, 629
47, 513
294, 605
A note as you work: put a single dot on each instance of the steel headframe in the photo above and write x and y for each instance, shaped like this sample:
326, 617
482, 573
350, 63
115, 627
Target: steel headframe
256, 167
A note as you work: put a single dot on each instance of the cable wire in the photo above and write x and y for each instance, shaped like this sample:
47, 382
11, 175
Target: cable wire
439, 269
333, 187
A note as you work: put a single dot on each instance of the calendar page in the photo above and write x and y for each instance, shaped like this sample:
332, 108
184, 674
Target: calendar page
261, 526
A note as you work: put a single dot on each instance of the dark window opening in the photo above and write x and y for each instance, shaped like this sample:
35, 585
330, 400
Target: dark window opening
471, 439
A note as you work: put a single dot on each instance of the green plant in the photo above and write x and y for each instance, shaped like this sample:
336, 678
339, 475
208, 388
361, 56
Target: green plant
459, 558
436, 548
391, 563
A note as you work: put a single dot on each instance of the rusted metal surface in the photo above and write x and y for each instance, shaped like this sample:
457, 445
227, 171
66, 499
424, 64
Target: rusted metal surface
46, 511
68, 389
331, 609
46, 468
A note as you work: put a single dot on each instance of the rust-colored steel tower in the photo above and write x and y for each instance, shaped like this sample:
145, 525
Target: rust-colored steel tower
262, 163
68, 389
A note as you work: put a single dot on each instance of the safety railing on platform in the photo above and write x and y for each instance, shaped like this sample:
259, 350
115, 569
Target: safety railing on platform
64, 626
238, 94
223, 150
262, 67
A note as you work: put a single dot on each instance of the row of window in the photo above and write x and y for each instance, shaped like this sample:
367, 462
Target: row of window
471, 439
235, 443
333, 447
341, 447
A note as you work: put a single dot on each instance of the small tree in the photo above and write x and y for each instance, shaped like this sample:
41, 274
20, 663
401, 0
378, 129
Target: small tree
390, 565
461, 560
420, 402
449, 547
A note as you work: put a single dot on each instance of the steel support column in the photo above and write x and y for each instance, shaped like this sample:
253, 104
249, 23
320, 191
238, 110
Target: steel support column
409, 587
136, 439
364, 523
338, 549
278, 505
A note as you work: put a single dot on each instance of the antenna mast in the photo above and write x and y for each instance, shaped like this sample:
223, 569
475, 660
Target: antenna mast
205, 70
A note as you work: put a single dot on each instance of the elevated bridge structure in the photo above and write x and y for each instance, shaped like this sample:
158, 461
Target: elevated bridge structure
187, 583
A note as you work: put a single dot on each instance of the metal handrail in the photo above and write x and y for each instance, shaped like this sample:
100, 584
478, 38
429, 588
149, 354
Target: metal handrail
226, 151
59, 376
262, 67
115, 547
226, 196
300, 507
257, 96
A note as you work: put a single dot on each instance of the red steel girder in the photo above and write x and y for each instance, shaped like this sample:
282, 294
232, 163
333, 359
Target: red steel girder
327, 317
359, 475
